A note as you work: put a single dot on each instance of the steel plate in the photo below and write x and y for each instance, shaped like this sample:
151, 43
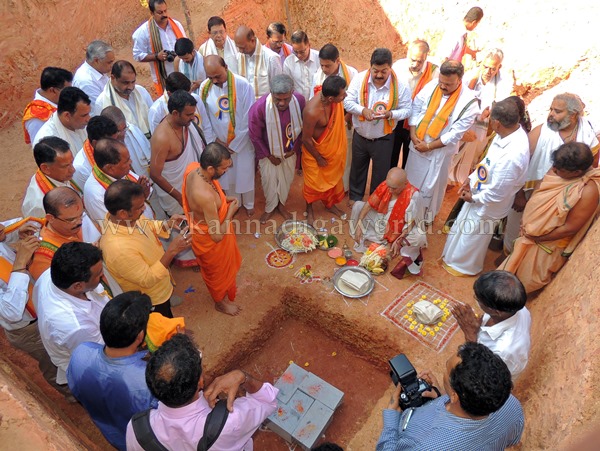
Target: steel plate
345, 289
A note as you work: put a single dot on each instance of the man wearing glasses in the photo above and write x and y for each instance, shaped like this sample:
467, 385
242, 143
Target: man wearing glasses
303, 64
276, 34
220, 44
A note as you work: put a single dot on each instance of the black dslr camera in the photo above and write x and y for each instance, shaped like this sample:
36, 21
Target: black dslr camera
170, 55
413, 387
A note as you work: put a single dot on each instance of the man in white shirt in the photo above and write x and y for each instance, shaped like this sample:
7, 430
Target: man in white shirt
18, 317
488, 193
256, 63
276, 34
303, 64
92, 75
220, 44
154, 41
98, 127
331, 64
55, 168
489, 87
441, 113
227, 109
505, 325
69, 299
416, 72
44, 103
69, 120
122, 91
112, 162
377, 100
190, 63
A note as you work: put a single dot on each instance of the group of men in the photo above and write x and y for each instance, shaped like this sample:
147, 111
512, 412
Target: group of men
153, 183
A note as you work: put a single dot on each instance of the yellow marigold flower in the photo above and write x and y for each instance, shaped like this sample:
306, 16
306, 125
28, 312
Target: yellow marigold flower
411, 327
432, 333
436, 328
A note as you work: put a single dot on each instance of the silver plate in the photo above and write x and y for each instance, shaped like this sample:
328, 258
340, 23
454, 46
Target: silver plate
289, 225
346, 290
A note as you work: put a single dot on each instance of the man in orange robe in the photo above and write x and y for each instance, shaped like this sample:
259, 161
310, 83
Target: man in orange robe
324, 145
209, 214
556, 217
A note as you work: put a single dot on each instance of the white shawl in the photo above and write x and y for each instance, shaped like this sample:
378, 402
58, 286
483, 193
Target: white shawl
276, 143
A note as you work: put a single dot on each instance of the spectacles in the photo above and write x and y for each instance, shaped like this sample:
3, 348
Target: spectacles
217, 33
70, 220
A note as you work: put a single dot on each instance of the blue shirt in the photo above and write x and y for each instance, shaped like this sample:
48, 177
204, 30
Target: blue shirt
432, 427
111, 390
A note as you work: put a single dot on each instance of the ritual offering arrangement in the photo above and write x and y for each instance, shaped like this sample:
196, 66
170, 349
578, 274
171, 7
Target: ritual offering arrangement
335, 252
327, 241
279, 258
296, 236
353, 281
375, 259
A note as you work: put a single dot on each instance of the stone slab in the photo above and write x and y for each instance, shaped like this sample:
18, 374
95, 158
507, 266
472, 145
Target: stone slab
319, 389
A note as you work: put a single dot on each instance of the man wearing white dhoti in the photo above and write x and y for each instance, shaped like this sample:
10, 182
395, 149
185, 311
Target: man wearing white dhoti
69, 120
256, 63
220, 44
488, 192
441, 113
228, 98
489, 87
275, 127
565, 124
122, 91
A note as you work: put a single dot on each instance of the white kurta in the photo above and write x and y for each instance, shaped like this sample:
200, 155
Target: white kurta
33, 125
229, 52
495, 90
90, 81
83, 168
510, 339
135, 108
195, 71
302, 71
240, 178
320, 77
259, 68
428, 171
65, 321
139, 150
494, 184
93, 197
53, 127
142, 46
34, 196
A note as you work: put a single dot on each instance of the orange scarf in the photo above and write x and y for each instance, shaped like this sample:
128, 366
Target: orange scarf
345, 76
433, 125
156, 47
46, 184
103, 179
380, 201
5, 271
392, 104
425, 78
36, 109
89, 152
17, 225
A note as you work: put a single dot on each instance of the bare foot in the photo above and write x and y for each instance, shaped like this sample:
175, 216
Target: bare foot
310, 216
250, 211
229, 308
286, 214
336, 211
266, 216
351, 202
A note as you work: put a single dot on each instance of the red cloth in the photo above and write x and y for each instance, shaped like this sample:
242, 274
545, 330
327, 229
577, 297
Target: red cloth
380, 201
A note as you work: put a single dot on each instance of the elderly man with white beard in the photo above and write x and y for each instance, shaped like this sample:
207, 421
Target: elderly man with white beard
566, 123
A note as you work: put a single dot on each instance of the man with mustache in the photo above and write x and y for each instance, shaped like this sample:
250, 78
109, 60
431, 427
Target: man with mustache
122, 91
565, 124
154, 39
441, 114
66, 221
377, 100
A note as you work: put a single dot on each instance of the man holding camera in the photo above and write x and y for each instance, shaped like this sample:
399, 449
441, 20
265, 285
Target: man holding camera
154, 43
477, 411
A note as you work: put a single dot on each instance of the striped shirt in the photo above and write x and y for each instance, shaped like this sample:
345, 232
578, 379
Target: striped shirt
433, 428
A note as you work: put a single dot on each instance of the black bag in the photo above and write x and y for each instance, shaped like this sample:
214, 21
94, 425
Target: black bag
215, 422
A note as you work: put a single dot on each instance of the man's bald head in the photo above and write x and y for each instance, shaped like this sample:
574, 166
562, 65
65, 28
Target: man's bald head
245, 40
114, 114
59, 198
216, 69
396, 180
